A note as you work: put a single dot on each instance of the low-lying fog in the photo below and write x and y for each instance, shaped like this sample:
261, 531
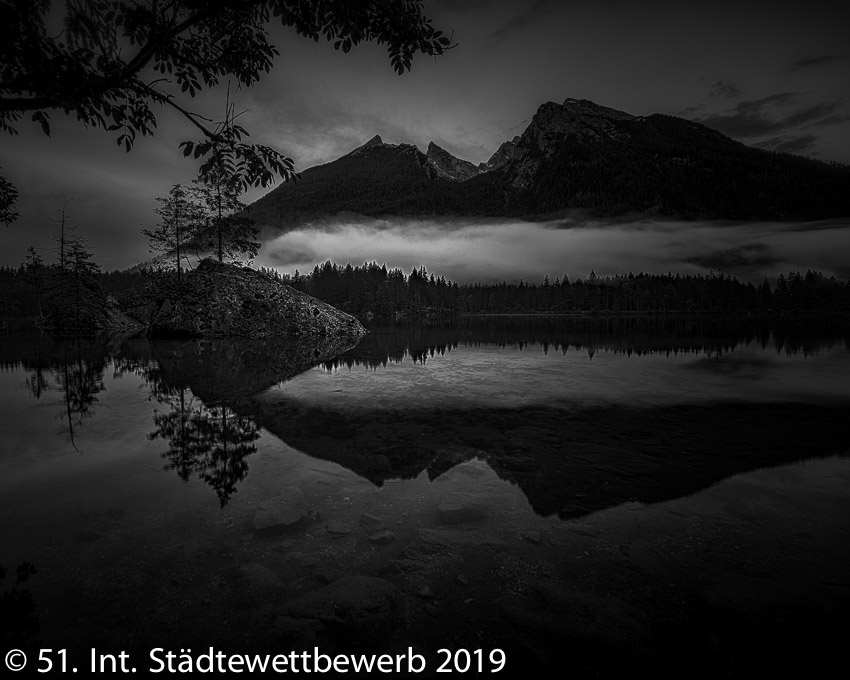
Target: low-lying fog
510, 250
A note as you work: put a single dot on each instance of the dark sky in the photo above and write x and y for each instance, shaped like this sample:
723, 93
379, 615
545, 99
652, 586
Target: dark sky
768, 74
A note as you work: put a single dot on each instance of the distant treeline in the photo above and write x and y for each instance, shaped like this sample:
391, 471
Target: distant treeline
374, 289
387, 292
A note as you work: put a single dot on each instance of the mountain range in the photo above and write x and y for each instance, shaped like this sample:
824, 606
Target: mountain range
573, 155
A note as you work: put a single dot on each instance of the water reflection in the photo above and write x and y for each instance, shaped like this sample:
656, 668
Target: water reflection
574, 439
212, 438
475, 488
393, 342
70, 375
206, 438
211, 443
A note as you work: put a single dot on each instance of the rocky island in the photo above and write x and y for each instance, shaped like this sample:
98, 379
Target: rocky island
223, 300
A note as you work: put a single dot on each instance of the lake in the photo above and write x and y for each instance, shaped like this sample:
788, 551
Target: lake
585, 494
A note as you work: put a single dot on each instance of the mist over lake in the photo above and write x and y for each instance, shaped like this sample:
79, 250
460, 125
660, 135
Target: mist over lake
477, 250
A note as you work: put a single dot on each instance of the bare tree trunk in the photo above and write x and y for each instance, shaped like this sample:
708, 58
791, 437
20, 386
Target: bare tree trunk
220, 224
177, 236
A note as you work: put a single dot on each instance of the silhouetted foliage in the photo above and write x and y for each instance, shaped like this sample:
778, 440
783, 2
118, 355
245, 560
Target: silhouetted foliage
180, 221
227, 231
65, 296
210, 443
98, 66
374, 289
371, 288
8, 199
70, 371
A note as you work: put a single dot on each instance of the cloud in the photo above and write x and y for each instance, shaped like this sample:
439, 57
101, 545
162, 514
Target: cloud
810, 114
741, 259
283, 257
759, 117
788, 144
830, 120
688, 110
529, 15
482, 251
815, 62
724, 89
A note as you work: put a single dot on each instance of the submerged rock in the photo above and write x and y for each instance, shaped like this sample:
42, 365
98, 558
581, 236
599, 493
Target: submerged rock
259, 577
531, 536
382, 537
284, 512
372, 522
220, 300
460, 508
338, 528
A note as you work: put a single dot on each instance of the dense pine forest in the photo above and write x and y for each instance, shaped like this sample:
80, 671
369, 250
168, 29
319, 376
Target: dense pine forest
372, 289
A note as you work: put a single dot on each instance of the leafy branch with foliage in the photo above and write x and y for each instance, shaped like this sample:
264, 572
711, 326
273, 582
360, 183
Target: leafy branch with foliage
108, 63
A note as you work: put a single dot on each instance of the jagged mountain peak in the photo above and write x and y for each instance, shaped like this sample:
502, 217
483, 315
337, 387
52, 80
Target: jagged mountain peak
553, 123
377, 143
572, 155
448, 166
374, 142
506, 152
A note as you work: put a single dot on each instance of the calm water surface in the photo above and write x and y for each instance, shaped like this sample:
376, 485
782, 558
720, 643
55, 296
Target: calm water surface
137, 472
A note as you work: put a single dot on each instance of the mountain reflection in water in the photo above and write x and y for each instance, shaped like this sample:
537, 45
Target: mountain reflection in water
573, 446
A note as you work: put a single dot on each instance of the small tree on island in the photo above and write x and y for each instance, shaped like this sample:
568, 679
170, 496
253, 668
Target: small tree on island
68, 295
222, 179
180, 222
226, 230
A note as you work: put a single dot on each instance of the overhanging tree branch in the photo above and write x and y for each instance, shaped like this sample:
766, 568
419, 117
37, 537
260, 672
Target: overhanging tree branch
191, 43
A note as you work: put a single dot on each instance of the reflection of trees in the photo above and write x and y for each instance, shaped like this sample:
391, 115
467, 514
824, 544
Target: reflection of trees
210, 442
631, 335
205, 387
209, 436
71, 369
81, 381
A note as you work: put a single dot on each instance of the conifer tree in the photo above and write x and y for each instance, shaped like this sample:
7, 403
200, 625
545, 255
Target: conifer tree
180, 223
